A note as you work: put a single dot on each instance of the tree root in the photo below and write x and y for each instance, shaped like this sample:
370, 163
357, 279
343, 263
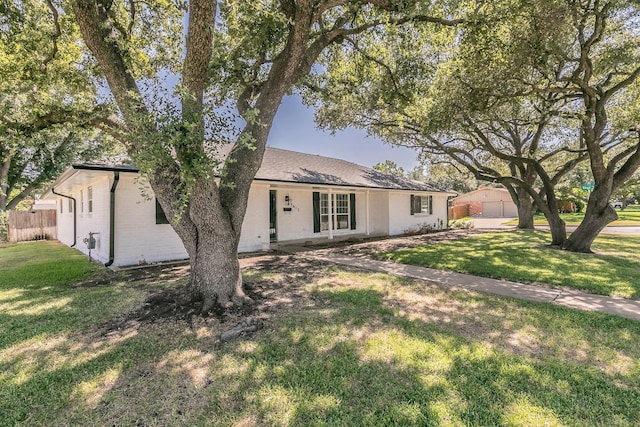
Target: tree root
248, 325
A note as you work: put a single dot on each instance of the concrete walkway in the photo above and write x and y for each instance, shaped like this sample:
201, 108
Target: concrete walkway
567, 298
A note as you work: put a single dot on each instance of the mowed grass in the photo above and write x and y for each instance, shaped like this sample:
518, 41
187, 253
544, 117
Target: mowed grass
358, 349
39, 296
629, 217
614, 268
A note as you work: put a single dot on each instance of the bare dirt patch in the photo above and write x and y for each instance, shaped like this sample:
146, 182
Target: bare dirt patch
276, 286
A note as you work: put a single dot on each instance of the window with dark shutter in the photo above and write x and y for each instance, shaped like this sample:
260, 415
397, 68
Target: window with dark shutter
352, 203
416, 203
161, 218
316, 212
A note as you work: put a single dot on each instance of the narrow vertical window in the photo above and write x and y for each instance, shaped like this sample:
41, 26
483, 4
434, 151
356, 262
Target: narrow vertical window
324, 212
70, 206
342, 212
416, 204
89, 199
61, 202
81, 201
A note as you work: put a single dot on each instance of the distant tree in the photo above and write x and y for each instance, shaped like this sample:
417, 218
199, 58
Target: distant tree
445, 176
48, 106
389, 166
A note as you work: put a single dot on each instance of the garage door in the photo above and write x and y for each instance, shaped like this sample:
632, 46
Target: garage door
510, 209
492, 209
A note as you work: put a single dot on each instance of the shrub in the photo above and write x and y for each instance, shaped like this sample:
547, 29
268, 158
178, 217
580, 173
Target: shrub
4, 226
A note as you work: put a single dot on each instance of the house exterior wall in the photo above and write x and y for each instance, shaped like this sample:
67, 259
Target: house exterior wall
483, 194
255, 228
298, 223
400, 218
64, 221
379, 212
96, 221
138, 239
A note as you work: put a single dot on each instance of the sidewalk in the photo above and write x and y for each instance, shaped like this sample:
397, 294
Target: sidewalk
567, 298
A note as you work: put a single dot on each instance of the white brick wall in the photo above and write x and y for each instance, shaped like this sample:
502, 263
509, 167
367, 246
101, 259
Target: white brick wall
138, 239
401, 220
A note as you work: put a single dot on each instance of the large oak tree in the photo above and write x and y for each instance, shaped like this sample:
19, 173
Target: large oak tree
244, 55
496, 94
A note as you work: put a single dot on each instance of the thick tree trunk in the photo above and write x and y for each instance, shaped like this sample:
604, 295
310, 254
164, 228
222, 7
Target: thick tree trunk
598, 214
215, 272
211, 236
557, 226
525, 210
558, 229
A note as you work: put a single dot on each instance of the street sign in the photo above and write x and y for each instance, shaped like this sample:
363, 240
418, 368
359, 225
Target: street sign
588, 186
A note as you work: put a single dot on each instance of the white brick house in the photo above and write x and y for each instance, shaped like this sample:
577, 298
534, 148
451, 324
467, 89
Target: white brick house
295, 197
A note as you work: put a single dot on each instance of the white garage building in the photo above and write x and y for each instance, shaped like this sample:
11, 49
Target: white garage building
488, 202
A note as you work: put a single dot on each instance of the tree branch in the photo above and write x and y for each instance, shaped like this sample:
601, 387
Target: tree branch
56, 36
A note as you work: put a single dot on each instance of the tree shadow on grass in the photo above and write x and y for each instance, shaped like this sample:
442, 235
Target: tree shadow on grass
343, 357
524, 256
480, 386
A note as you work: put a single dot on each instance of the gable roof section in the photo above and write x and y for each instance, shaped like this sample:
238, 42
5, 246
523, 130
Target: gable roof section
291, 166
287, 166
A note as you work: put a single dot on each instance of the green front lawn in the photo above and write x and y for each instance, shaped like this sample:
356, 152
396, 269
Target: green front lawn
335, 348
629, 217
613, 270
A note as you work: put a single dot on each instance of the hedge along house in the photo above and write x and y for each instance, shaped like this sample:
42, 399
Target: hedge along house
295, 197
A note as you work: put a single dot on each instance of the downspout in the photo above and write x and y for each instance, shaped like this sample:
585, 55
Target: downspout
112, 218
74, 214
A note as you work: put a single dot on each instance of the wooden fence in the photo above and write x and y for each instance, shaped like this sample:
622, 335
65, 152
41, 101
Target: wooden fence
460, 211
36, 225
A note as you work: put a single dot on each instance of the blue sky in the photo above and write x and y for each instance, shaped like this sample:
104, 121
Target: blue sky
294, 129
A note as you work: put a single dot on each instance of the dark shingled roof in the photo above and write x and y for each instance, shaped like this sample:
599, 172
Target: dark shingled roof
281, 165
291, 166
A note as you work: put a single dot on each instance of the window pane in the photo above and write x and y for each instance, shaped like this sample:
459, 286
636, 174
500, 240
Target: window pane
342, 222
324, 204
424, 204
342, 203
324, 212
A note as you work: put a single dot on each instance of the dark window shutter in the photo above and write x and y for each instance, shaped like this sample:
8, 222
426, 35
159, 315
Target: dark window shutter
430, 205
161, 218
352, 206
416, 204
316, 212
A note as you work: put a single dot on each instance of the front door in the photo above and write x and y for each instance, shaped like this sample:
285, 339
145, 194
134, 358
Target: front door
273, 216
